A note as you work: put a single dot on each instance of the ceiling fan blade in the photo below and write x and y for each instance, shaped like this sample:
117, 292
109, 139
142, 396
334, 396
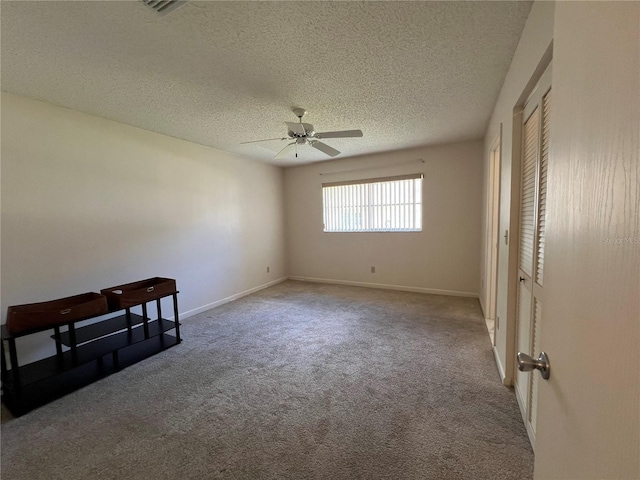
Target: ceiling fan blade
340, 134
284, 151
323, 147
265, 140
296, 128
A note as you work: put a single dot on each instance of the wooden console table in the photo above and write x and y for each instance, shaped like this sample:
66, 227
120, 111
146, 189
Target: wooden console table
93, 351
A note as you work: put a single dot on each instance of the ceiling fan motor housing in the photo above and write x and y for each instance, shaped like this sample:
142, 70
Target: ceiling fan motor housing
308, 128
299, 112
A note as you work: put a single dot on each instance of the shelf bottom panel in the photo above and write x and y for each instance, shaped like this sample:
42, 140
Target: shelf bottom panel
37, 394
87, 353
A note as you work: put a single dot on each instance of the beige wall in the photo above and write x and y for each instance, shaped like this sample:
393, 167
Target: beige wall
89, 203
444, 257
534, 44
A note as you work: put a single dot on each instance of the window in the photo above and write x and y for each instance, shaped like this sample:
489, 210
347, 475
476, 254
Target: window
390, 204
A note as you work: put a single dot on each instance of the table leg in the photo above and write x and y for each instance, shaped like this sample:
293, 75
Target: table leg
175, 316
145, 320
56, 329
116, 360
5, 372
159, 307
73, 344
128, 316
15, 369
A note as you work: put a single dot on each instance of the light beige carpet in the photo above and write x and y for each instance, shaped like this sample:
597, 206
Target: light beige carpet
299, 381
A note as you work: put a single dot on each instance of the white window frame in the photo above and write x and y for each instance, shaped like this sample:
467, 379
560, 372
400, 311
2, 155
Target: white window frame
385, 204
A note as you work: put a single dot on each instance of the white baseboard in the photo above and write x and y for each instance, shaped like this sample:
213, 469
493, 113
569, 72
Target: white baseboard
521, 404
386, 286
209, 306
484, 315
503, 377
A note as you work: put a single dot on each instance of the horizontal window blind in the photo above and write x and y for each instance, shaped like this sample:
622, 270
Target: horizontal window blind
389, 204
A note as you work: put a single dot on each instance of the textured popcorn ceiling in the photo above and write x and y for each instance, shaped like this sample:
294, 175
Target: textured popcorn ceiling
218, 73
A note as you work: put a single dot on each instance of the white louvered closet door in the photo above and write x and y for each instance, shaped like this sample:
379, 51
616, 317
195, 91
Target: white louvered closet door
533, 195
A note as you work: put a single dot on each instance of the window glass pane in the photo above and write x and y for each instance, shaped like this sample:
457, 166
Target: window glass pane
377, 205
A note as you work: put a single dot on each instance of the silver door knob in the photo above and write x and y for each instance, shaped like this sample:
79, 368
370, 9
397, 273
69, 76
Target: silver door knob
526, 364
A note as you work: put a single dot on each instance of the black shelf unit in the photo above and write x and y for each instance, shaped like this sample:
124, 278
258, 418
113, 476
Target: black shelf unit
94, 351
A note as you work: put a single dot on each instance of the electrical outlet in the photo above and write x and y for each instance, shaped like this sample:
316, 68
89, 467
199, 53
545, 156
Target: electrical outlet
373, 269
268, 269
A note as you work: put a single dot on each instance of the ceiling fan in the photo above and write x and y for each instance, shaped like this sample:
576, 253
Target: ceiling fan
304, 134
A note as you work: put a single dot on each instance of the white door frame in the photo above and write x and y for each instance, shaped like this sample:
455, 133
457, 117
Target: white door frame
530, 304
514, 230
512, 234
493, 225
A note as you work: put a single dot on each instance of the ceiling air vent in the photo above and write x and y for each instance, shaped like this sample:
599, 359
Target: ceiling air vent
164, 6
